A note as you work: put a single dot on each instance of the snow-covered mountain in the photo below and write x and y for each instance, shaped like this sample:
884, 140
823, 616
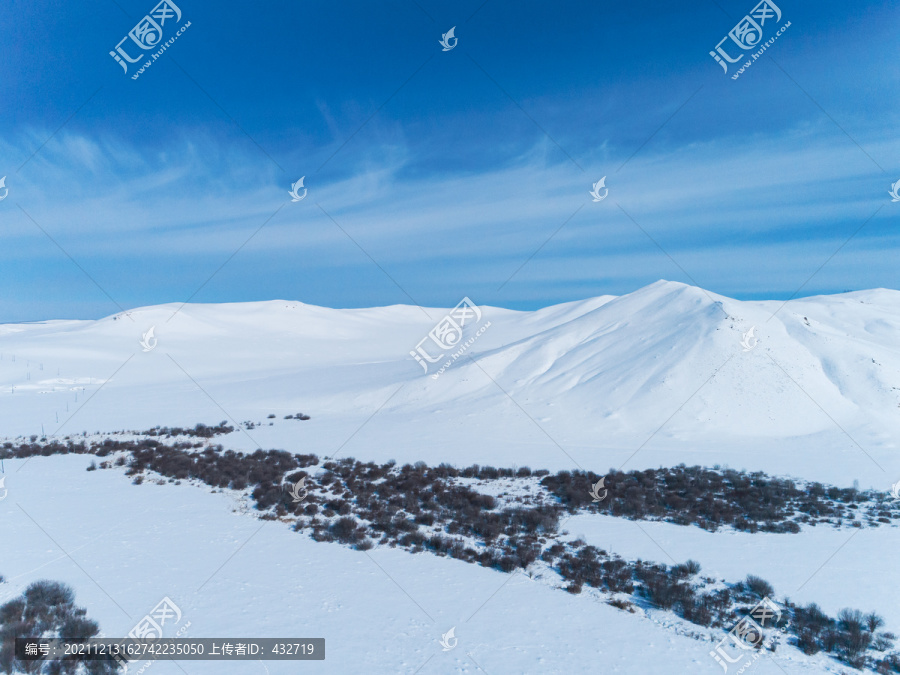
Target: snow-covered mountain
664, 369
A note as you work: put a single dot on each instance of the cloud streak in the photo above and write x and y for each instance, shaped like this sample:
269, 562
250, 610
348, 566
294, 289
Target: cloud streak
725, 210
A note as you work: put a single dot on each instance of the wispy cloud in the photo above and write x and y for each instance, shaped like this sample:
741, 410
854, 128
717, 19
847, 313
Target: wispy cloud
747, 201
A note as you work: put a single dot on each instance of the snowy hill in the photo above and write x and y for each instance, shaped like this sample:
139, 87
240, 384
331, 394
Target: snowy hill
661, 369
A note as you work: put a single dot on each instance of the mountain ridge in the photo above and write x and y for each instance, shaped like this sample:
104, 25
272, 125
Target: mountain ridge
664, 369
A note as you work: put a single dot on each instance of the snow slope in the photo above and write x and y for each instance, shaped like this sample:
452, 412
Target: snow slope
585, 383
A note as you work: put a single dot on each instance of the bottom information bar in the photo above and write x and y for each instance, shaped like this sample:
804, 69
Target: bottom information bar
176, 649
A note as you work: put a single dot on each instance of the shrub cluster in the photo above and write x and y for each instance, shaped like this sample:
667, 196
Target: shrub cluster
416, 507
712, 498
709, 498
677, 588
848, 636
222, 468
47, 609
199, 431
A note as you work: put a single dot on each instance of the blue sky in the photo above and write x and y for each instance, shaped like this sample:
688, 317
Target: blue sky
434, 175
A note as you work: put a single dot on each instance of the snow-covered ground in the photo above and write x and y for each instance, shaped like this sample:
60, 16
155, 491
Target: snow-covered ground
656, 377
835, 568
125, 547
